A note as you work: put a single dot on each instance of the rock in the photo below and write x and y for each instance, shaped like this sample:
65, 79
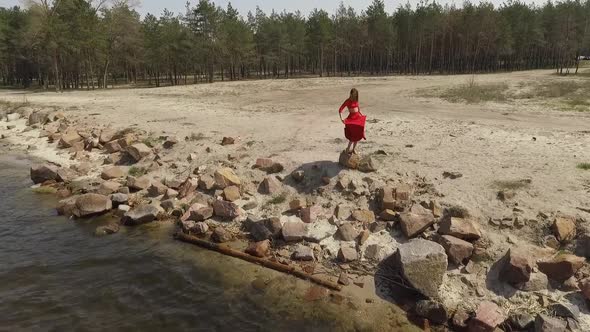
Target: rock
274, 226
310, 214
452, 175
561, 267
294, 231
570, 285
373, 252
168, 204
42, 173
226, 177
423, 264
12, 117
66, 175
347, 254
112, 147
220, 235
388, 215
347, 232
268, 166
343, 212
364, 236
108, 187
140, 183
114, 172
432, 310
413, 224
259, 249
106, 135
192, 227
226, 210
228, 141
487, 317
363, 216
460, 319
206, 182
38, 118
505, 195
92, 204
157, 189
298, 176
521, 322
139, 151
297, 204
141, 214
250, 205
564, 228
231, 193
367, 165
585, 288
170, 142
460, 228
69, 139
544, 323
565, 310
516, 269
170, 194
343, 279
259, 231
303, 253
457, 250
396, 199
107, 229
349, 160
319, 231
188, 188
66, 207
537, 282
270, 186
198, 212
551, 242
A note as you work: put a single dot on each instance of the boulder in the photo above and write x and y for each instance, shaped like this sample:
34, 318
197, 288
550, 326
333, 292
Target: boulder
363, 216
487, 317
106, 135
188, 187
461, 228
170, 142
228, 141
423, 264
69, 139
114, 172
198, 212
458, 251
139, 151
544, 323
565, 310
206, 182
413, 224
92, 204
521, 322
108, 187
366, 165
293, 231
347, 232
434, 311
395, 199
231, 193
564, 228
537, 282
67, 206
192, 227
389, 215
259, 249
364, 236
349, 160
119, 198
109, 229
585, 288
275, 226
66, 174
42, 173
270, 186
140, 183
374, 252
343, 212
226, 210
38, 118
157, 189
221, 235
310, 214
303, 253
297, 204
516, 269
347, 254
298, 176
562, 267
259, 231
141, 214
170, 194
12, 117
226, 177
268, 166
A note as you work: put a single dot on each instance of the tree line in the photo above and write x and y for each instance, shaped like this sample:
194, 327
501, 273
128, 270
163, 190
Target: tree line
90, 44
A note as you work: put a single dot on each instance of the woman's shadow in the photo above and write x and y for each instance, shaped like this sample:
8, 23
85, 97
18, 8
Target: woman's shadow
309, 177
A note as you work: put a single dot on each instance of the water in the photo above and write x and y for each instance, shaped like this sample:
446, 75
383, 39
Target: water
55, 275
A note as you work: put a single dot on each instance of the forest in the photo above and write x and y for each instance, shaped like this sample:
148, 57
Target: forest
93, 44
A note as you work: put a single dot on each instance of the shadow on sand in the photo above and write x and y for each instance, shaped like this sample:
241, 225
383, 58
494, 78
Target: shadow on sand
315, 174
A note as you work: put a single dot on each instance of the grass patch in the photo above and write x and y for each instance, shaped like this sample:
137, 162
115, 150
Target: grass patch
153, 141
584, 166
512, 184
279, 199
473, 93
137, 171
45, 190
195, 137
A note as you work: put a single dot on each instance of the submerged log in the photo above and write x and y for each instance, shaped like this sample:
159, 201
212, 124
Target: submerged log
226, 250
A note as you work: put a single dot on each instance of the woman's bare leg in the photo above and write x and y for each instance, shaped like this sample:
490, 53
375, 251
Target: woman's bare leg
349, 145
354, 147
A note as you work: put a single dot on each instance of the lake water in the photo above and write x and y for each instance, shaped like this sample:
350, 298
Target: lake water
55, 275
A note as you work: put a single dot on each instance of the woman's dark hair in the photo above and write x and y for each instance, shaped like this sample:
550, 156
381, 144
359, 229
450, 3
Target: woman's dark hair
354, 95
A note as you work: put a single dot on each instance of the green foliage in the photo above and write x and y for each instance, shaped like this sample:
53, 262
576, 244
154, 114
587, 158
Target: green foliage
137, 171
584, 166
279, 199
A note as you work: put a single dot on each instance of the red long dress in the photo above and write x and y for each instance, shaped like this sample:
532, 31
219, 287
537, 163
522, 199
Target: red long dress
354, 124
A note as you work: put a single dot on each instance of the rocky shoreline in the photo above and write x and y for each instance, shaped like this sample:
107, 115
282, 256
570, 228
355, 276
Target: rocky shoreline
342, 219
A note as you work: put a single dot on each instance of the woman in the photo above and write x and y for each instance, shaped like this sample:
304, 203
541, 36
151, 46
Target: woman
354, 124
